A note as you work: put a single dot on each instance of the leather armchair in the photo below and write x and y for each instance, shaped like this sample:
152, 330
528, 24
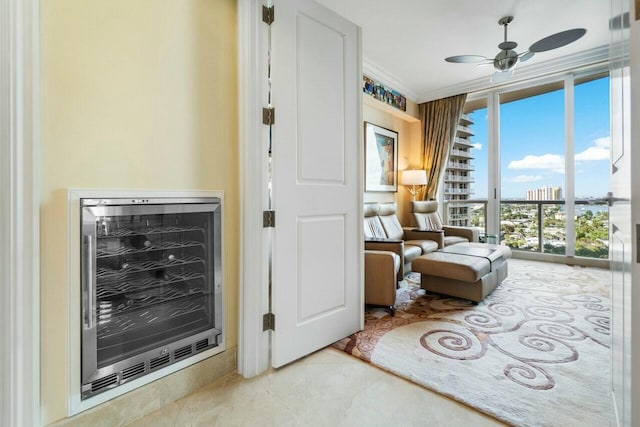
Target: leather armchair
383, 232
426, 219
380, 278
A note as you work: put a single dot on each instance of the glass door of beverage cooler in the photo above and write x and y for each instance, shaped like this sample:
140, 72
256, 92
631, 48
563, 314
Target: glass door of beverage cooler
150, 285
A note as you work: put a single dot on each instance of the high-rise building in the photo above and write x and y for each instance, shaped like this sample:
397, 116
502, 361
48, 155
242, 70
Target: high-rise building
457, 176
545, 193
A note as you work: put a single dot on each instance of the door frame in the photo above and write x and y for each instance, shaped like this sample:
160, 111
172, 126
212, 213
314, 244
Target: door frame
253, 342
20, 195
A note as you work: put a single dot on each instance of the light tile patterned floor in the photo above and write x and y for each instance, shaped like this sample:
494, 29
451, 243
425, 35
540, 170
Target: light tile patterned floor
327, 388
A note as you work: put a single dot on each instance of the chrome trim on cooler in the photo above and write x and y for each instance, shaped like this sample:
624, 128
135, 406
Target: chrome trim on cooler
127, 201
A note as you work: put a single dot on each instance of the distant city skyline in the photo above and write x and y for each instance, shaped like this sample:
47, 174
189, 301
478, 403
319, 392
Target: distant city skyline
544, 193
532, 132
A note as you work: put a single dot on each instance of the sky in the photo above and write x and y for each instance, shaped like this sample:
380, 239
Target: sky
532, 143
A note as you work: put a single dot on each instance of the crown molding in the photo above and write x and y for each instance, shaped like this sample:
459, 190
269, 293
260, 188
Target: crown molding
588, 58
592, 57
376, 73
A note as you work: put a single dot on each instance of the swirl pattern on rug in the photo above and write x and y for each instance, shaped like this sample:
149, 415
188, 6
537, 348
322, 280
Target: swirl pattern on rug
542, 334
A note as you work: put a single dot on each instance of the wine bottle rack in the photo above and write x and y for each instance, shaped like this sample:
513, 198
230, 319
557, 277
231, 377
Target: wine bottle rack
103, 251
128, 322
108, 309
110, 290
126, 232
103, 274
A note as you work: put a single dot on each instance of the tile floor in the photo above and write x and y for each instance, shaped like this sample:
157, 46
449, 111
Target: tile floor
327, 388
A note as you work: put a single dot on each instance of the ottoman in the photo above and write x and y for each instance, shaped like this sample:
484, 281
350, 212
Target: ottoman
467, 270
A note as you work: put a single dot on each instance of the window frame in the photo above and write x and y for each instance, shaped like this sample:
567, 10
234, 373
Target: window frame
567, 81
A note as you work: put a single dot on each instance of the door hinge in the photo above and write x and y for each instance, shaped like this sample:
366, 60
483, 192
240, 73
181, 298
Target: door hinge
268, 219
268, 15
268, 116
269, 322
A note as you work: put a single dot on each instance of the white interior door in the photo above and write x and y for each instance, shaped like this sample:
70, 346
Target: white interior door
620, 221
317, 191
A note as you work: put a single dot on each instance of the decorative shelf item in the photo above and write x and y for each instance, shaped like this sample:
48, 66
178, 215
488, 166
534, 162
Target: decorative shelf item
383, 93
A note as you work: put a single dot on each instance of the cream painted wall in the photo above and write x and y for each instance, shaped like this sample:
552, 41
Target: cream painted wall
409, 150
135, 95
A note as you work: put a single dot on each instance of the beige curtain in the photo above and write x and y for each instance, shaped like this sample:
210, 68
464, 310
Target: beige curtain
439, 120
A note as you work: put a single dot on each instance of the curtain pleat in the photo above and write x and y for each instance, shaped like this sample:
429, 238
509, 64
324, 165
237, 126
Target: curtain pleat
439, 120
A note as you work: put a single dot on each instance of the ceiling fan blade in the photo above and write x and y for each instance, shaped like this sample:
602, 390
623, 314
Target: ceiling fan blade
524, 57
465, 59
557, 40
501, 76
484, 64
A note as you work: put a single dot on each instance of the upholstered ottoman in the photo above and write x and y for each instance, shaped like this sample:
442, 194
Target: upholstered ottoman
471, 271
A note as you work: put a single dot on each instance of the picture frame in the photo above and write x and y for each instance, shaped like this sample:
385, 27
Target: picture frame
381, 158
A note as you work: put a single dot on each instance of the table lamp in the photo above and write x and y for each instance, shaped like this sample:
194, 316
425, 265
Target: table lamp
413, 179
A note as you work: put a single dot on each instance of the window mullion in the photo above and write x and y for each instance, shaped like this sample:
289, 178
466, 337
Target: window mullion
493, 179
569, 165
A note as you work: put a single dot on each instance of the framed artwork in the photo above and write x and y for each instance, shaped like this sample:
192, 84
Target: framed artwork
381, 158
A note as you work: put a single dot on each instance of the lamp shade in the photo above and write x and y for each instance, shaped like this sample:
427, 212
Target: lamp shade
413, 177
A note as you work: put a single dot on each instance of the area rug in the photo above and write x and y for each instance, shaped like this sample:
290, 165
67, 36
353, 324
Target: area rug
534, 353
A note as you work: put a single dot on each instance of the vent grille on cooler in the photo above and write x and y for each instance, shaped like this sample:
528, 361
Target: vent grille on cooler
159, 361
182, 352
202, 344
133, 371
104, 382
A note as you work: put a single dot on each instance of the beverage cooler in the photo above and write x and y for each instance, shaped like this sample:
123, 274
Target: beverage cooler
151, 286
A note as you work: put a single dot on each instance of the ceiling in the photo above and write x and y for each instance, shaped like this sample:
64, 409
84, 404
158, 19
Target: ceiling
404, 42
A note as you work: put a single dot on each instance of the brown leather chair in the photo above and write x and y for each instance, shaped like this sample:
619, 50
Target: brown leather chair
383, 232
380, 278
425, 217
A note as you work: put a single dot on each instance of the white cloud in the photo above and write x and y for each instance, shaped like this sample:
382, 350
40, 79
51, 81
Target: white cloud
604, 141
525, 178
599, 150
552, 162
477, 146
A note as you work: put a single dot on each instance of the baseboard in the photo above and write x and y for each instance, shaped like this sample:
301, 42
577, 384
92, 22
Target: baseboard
561, 259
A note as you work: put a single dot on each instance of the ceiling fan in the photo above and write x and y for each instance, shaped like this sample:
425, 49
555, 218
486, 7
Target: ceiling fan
506, 60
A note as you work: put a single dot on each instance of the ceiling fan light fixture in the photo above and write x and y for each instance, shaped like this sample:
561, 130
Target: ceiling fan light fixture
505, 60
501, 76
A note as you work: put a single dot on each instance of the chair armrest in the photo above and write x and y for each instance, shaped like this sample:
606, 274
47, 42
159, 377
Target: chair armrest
470, 234
418, 234
396, 246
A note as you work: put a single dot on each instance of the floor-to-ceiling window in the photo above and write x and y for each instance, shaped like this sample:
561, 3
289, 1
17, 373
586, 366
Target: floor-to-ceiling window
532, 146
541, 165
592, 165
